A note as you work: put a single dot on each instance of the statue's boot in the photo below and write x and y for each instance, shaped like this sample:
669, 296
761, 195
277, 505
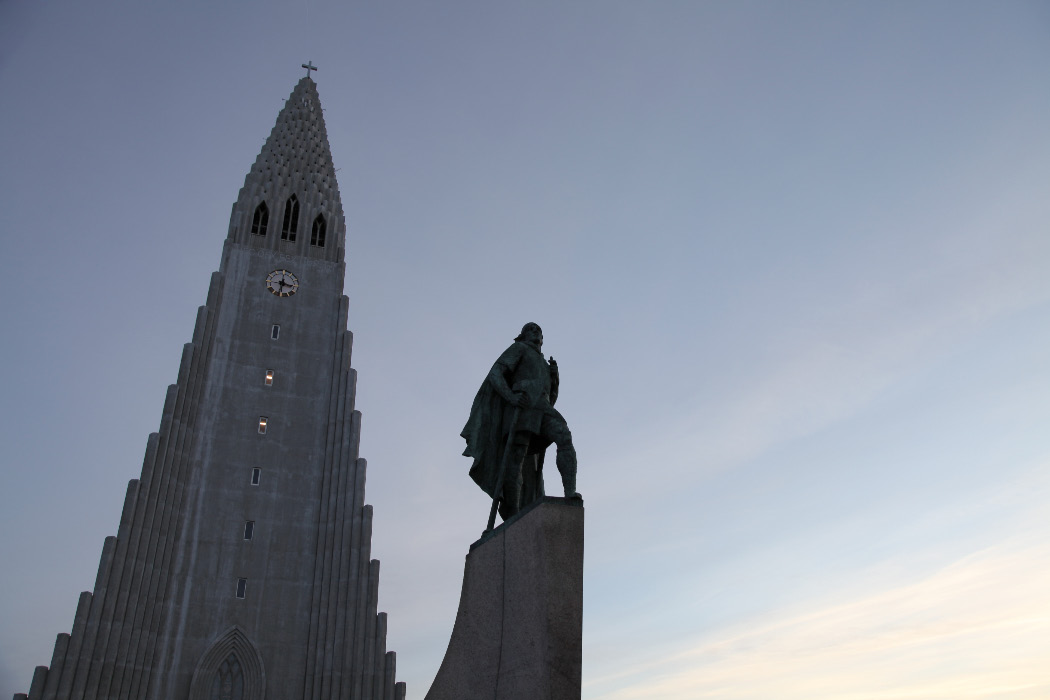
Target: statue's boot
510, 504
567, 468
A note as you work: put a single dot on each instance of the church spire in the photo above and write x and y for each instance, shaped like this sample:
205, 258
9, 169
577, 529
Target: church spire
290, 199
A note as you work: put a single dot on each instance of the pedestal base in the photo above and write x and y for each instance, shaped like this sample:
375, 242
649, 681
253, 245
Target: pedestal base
519, 630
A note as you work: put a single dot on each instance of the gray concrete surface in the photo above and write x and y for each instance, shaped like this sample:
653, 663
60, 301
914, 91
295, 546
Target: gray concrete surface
518, 633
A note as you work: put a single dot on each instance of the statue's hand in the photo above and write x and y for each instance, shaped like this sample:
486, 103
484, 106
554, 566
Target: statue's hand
522, 400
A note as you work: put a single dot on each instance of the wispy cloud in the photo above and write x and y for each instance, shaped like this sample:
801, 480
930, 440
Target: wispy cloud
975, 629
831, 367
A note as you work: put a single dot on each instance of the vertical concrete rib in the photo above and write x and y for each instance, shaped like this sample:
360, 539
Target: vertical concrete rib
318, 654
390, 673
54, 674
399, 691
105, 653
200, 324
364, 550
148, 620
346, 364
135, 638
370, 629
95, 615
351, 421
340, 567
355, 517
67, 684
135, 684
351, 557
139, 563
130, 598
379, 665
333, 547
133, 546
315, 677
123, 535
347, 581
131, 591
127, 556
36, 688
76, 639
143, 639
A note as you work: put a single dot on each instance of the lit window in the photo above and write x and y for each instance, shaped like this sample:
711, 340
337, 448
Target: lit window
249, 529
275, 332
262, 425
242, 585
269, 377
256, 476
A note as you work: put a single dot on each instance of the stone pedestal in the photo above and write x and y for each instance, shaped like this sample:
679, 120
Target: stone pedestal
519, 630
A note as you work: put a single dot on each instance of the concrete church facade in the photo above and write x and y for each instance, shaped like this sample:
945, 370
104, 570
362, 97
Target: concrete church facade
241, 567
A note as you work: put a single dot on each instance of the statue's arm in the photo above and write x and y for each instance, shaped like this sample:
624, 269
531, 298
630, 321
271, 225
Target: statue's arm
555, 380
499, 382
504, 367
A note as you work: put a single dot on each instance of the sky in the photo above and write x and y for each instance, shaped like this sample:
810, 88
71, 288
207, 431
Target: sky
792, 259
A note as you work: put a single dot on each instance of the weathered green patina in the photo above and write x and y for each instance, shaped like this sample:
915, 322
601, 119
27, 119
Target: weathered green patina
514, 410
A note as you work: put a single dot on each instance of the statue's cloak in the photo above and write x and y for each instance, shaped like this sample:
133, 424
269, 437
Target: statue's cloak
486, 436
488, 427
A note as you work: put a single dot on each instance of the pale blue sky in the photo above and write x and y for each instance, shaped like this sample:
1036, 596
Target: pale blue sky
792, 259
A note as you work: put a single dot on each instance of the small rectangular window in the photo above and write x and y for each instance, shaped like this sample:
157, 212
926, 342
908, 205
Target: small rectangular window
262, 425
249, 529
256, 476
242, 585
269, 377
275, 332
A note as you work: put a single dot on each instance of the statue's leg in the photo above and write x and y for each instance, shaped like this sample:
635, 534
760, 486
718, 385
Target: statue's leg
510, 504
531, 480
567, 469
556, 429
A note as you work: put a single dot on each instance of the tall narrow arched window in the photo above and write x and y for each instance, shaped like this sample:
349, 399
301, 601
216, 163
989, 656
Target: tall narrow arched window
291, 219
317, 235
261, 219
228, 681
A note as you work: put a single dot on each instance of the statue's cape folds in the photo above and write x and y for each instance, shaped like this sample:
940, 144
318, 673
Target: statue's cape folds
490, 418
485, 433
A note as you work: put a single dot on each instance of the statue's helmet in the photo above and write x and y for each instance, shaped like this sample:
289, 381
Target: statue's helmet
530, 326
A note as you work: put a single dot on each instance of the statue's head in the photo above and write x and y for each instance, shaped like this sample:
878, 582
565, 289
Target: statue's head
531, 333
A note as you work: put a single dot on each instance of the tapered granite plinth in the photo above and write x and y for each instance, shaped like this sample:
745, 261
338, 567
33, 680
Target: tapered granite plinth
519, 630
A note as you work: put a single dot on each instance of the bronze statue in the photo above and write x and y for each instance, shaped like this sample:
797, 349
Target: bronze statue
513, 421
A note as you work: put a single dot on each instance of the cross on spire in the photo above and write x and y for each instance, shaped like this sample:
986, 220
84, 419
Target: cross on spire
309, 66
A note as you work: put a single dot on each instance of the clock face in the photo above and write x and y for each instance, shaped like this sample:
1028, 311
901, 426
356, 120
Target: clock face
282, 283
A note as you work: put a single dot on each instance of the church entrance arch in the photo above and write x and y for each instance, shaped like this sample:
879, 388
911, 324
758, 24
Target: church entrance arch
230, 670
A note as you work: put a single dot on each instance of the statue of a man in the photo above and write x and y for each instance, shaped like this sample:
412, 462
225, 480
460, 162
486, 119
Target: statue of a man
518, 397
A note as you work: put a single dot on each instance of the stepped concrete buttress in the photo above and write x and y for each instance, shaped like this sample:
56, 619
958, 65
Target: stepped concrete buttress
519, 630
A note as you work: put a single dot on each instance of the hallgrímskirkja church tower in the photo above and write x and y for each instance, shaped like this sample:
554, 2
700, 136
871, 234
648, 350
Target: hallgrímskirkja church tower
241, 567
